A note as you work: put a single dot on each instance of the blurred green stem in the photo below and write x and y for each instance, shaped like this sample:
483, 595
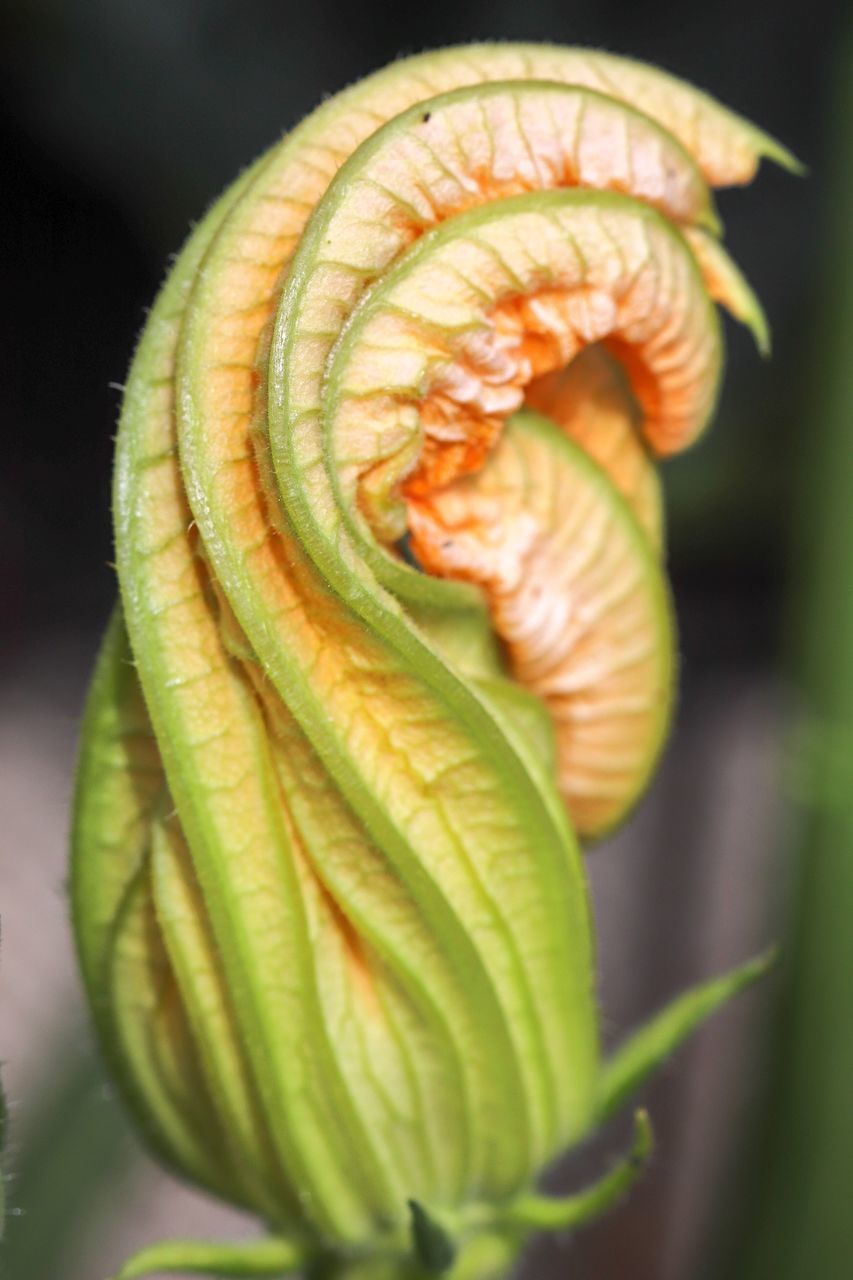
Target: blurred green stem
798, 1213
74, 1150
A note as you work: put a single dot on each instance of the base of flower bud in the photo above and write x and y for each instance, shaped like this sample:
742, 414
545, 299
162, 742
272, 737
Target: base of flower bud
481, 1242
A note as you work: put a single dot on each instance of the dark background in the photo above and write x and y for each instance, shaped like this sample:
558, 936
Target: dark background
119, 123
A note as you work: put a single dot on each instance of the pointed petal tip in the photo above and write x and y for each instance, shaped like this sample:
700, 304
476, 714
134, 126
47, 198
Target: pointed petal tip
728, 286
759, 327
752, 315
784, 157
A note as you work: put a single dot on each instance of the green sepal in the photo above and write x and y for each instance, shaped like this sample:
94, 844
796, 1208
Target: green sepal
544, 1213
266, 1257
645, 1050
434, 1249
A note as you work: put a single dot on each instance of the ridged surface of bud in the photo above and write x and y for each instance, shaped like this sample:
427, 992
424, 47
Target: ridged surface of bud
394, 635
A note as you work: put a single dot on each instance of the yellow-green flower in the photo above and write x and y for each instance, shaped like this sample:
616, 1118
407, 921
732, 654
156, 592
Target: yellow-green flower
394, 632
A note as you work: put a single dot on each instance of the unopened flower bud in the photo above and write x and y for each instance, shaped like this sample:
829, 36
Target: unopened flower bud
394, 634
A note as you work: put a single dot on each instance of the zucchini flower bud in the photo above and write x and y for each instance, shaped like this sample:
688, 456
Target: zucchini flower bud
394, 635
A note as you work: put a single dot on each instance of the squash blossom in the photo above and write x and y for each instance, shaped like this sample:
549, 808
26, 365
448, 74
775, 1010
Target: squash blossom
394, 636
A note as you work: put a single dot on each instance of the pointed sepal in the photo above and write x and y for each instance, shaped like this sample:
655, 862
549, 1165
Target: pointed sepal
433, 1247
269, 1256
648, 1047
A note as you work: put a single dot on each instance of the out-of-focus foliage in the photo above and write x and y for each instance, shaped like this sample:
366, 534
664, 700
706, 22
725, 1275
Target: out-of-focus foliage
797, 1219
2, 1186
65, 1170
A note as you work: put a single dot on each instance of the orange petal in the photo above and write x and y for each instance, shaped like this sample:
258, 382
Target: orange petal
576, 596
440, 352
592, 403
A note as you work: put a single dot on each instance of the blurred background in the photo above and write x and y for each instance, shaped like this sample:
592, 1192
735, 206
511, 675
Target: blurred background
120, 122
